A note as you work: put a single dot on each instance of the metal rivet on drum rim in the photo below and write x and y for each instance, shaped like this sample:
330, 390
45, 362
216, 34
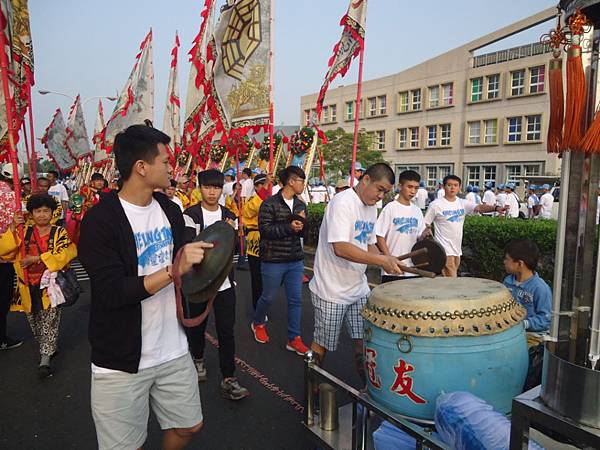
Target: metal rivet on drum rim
368, 334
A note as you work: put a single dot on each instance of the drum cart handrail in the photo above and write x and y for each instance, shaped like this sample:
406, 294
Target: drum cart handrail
362, 407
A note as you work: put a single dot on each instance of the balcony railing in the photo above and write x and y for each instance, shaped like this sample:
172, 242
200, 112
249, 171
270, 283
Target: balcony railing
524, 51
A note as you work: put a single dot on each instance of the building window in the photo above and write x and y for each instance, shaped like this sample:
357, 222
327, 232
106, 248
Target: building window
400, 169
372, 106
380, 136
414, 137
431, 135
416, 99
493, 86
514, 129
448, 94
491, 131
444, 171
489, 174
382, 99
434, 96
349, 110
512, 172
474, 132
536, 79
333, 113
531, 170
517, 82
473, 175
402, 138
307, 116
325, 114
403, 101
476, 89
534, 127
445, 135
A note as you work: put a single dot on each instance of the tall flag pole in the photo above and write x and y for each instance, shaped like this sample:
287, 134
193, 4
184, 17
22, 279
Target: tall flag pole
136, 102
33, 161
271, 79
351, 44
172, 122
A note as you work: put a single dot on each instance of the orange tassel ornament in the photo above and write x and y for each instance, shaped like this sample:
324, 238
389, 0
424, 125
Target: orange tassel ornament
555, 39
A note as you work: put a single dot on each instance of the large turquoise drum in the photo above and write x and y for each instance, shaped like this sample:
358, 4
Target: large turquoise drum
428, 336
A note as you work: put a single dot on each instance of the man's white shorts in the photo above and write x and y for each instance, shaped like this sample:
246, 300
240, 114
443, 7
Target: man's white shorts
329, 317
121, 401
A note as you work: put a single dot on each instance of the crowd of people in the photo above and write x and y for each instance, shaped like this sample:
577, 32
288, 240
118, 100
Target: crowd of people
127, 235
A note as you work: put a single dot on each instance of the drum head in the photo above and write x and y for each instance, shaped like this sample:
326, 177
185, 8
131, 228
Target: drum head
435, 256
205, 279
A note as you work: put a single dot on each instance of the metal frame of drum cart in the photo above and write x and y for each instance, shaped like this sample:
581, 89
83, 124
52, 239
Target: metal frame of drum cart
568, 400
567, 404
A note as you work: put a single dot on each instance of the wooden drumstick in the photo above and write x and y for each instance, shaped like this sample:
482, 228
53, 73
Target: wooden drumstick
421, 251
423, 273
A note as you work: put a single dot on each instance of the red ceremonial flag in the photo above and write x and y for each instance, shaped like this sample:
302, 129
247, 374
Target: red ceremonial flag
348, 47
77, 136
99, 153
172, 121
199, 127
136, 102
14, 24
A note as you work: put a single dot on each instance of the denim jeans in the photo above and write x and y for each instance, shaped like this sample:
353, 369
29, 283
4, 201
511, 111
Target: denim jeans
273, 274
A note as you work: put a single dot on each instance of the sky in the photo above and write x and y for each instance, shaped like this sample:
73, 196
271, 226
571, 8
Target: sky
88, 47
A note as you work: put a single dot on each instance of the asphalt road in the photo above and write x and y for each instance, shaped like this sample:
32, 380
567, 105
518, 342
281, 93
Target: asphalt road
55, 413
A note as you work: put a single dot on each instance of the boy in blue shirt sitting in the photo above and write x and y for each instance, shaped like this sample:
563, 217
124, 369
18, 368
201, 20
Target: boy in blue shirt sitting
520, 261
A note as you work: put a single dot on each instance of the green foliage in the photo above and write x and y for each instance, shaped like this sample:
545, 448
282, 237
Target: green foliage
45, 165
338, 152
484, 240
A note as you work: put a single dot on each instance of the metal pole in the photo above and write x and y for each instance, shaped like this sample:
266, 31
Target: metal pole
271, 78
560, 246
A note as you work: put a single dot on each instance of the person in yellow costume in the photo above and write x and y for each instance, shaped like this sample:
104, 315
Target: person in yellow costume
231, 200
180, 192
47, 248
250, 221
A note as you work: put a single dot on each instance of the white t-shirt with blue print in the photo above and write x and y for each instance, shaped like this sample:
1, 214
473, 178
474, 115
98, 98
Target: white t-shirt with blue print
448, 220
346, 219
400, 226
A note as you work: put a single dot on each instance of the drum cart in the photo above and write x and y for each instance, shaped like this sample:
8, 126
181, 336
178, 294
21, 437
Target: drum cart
357, 420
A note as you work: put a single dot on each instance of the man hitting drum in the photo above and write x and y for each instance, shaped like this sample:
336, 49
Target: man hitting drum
339, 288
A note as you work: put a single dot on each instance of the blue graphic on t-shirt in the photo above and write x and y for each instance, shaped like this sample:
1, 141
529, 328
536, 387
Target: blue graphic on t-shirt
154, 246
406, 225
454, 215
365, 229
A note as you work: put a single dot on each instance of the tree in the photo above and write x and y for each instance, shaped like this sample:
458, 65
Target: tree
337, 153
45, 165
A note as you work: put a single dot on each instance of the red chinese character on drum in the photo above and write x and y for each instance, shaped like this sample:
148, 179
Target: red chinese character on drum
403, 383
371, 363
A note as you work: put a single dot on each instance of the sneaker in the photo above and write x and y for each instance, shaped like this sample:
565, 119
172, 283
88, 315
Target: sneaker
232, 390
44, 370
296, 345
8, 343
260, 333
200, 368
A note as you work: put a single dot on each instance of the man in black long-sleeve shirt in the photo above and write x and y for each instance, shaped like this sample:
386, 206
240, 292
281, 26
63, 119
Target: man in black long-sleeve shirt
140, 353
282, 256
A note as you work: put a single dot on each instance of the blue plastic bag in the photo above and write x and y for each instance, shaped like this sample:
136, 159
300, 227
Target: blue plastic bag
466, 422
389, 437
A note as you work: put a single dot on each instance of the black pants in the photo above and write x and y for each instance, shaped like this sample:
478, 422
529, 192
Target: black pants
224, 310
7, 279
255, 278
388, 278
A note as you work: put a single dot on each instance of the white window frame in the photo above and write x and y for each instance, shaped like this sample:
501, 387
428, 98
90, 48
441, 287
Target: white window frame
517, 90
518, 134
350, 110
445, 134
434, 96
474, 138
333, 113
403, 106
537, 86
479, 93
490, 138
402, 138
534, 128
493, 94
416, 99
415, 143
431, 128
380, 135
448, 94
382, 104
372, 106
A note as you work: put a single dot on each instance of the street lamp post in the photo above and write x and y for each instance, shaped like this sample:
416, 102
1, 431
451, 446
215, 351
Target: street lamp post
45, 92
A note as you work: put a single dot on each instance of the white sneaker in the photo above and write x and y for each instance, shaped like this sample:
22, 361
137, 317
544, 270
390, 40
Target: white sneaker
200, 369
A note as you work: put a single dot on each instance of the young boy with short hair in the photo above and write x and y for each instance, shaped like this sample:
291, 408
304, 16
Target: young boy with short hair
520, 261
400, 223
197, 218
